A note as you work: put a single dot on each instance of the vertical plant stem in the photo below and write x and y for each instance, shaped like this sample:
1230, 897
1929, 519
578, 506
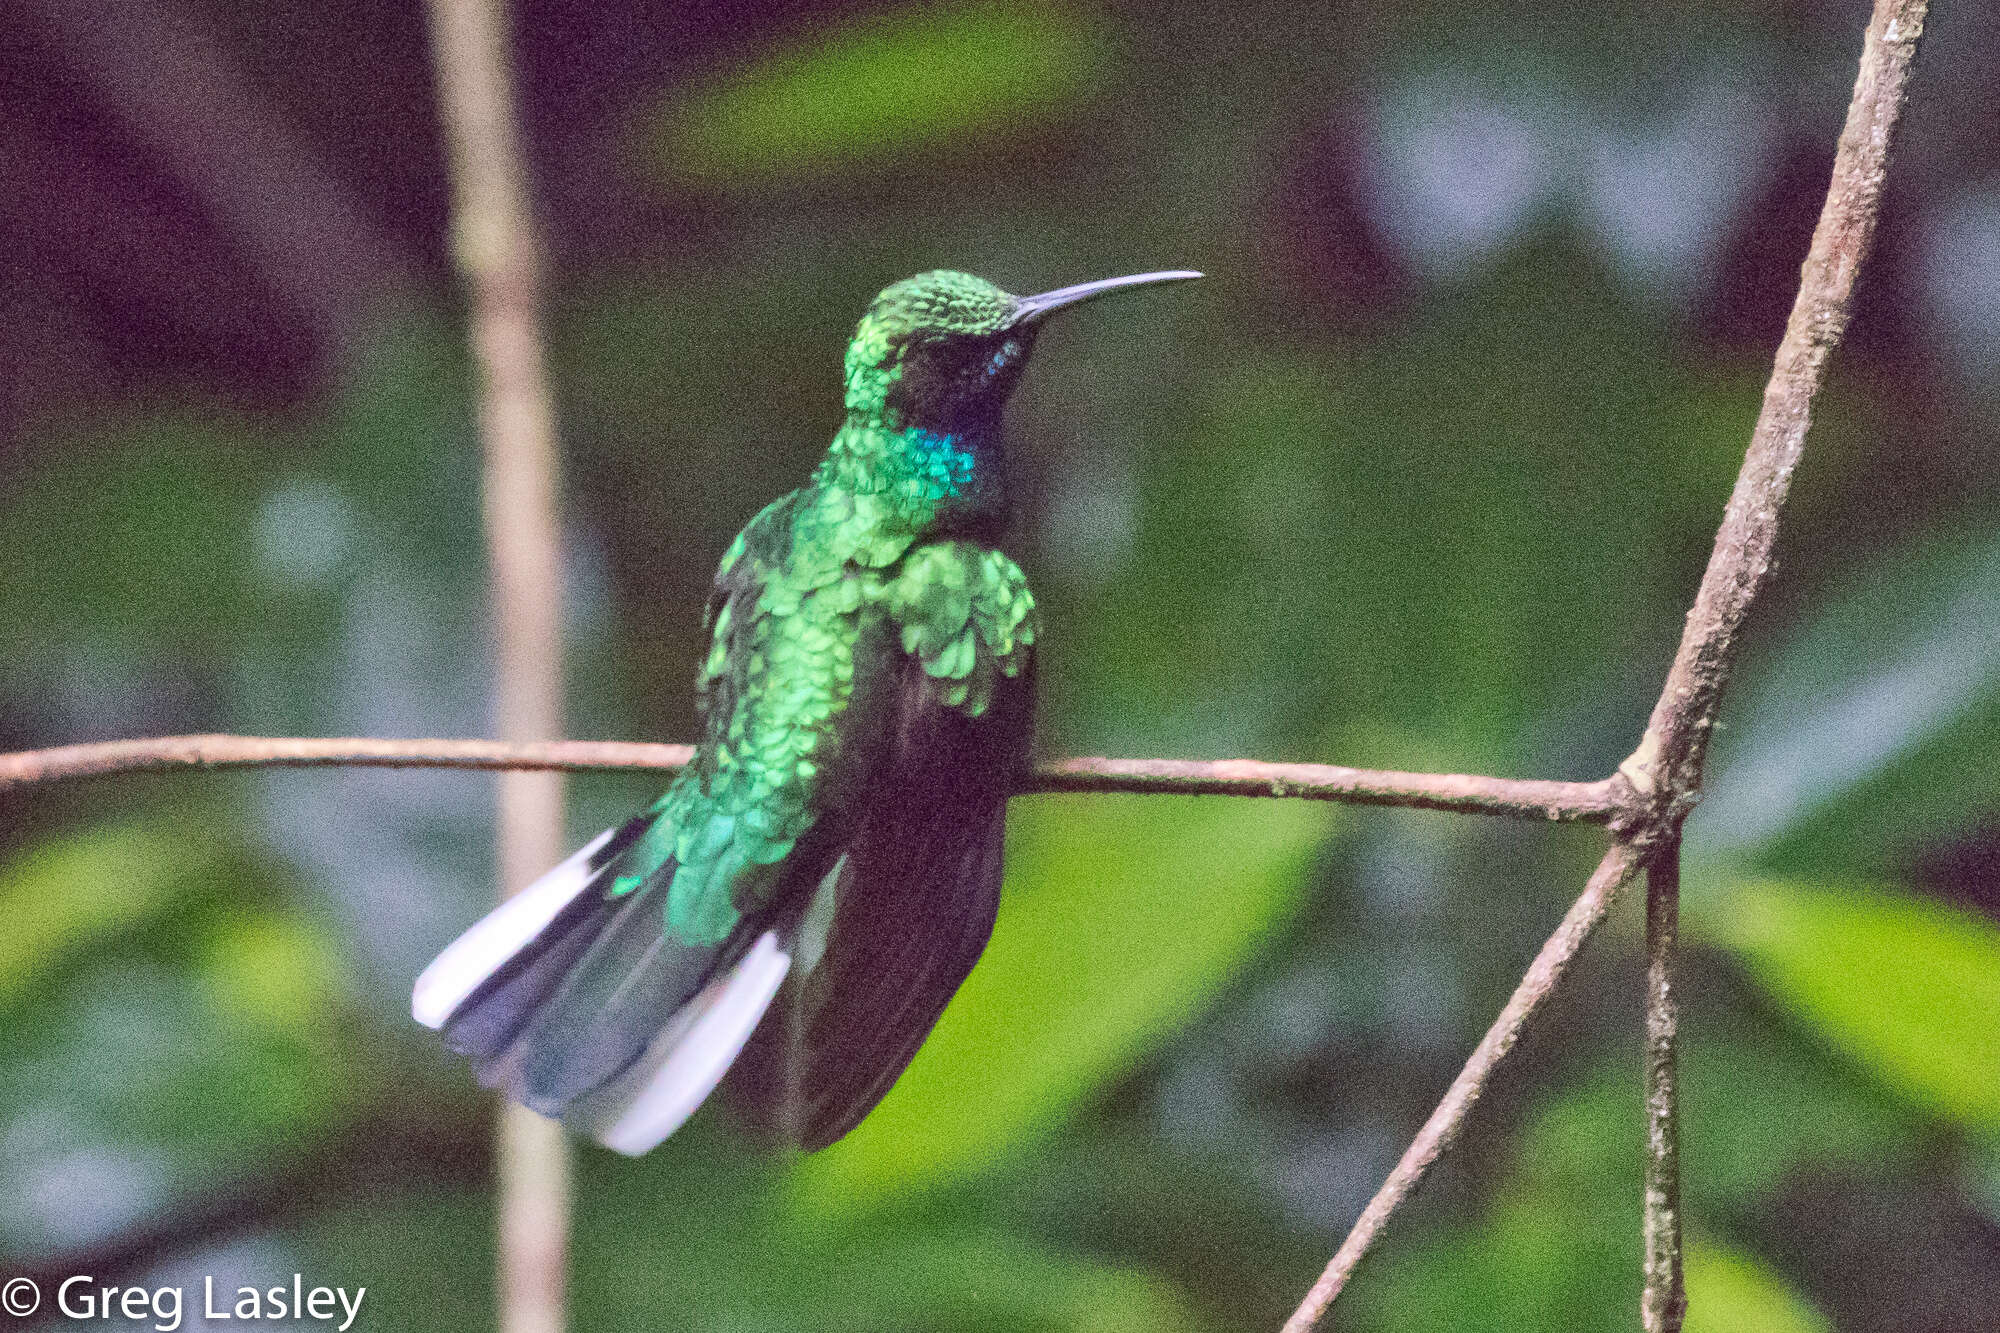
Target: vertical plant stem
494, 242
1663, 1299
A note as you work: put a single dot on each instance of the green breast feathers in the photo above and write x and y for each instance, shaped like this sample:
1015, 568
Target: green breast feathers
791, 739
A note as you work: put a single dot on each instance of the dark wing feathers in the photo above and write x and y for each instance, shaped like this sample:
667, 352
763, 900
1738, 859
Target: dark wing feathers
914, 906
871, 1008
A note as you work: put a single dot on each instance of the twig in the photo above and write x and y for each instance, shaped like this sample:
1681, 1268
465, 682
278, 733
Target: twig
1600, 802
1662, 1295
496, 250
158, 754
1666, 770
1438, 1133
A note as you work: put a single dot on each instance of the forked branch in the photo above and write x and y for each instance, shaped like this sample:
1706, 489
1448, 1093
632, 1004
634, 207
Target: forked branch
1666, 770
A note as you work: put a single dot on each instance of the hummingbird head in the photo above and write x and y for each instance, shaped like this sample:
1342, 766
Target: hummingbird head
943, 350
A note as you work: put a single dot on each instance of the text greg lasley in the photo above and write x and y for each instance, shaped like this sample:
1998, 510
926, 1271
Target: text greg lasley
297, 1301
82, 1297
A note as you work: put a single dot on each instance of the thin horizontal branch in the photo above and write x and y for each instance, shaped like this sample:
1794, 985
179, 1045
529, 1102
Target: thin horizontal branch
165, 753
1589, 802
1617, 868
1515, 798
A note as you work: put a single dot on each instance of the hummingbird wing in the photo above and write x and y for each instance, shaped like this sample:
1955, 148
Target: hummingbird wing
917, 888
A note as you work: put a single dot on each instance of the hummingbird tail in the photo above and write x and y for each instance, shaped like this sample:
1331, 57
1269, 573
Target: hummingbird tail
636, 1111
574, 1002
495, 944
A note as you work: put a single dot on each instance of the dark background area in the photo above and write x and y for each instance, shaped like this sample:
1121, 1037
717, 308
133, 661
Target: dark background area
1422, 477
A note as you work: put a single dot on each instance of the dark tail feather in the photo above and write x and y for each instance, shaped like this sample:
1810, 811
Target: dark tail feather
611, 1003
560, 988
579, 1005
485, 1021
481, 969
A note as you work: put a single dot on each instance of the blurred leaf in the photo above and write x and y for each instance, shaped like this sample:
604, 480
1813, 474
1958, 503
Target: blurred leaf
61, 895
1109, 1186
1730, 1292
1541, 1257
880, 87
1873, 730
986, 1279
1122, 915
1558, 1245
272, 972
164, 1021
1744, 1096
1907, 986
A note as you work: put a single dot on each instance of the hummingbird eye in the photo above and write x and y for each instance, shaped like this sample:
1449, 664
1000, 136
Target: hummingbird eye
942, 374
944, 358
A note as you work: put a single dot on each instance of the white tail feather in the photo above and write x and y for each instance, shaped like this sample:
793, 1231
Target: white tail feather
689, 1057
479, 952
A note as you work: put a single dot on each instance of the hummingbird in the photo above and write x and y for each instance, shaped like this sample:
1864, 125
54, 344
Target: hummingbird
866, 706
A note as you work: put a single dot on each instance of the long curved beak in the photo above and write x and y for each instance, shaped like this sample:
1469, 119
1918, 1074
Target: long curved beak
1030, 309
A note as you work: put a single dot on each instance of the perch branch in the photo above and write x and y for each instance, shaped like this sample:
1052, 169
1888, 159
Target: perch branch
1666, 770
1589, 802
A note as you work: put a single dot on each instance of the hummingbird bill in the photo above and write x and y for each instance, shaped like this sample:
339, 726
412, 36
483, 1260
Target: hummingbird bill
866, 705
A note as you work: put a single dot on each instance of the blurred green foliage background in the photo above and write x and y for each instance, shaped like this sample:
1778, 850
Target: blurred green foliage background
1423, 477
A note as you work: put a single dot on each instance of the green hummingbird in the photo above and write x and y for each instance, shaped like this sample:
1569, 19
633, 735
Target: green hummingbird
866, 705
